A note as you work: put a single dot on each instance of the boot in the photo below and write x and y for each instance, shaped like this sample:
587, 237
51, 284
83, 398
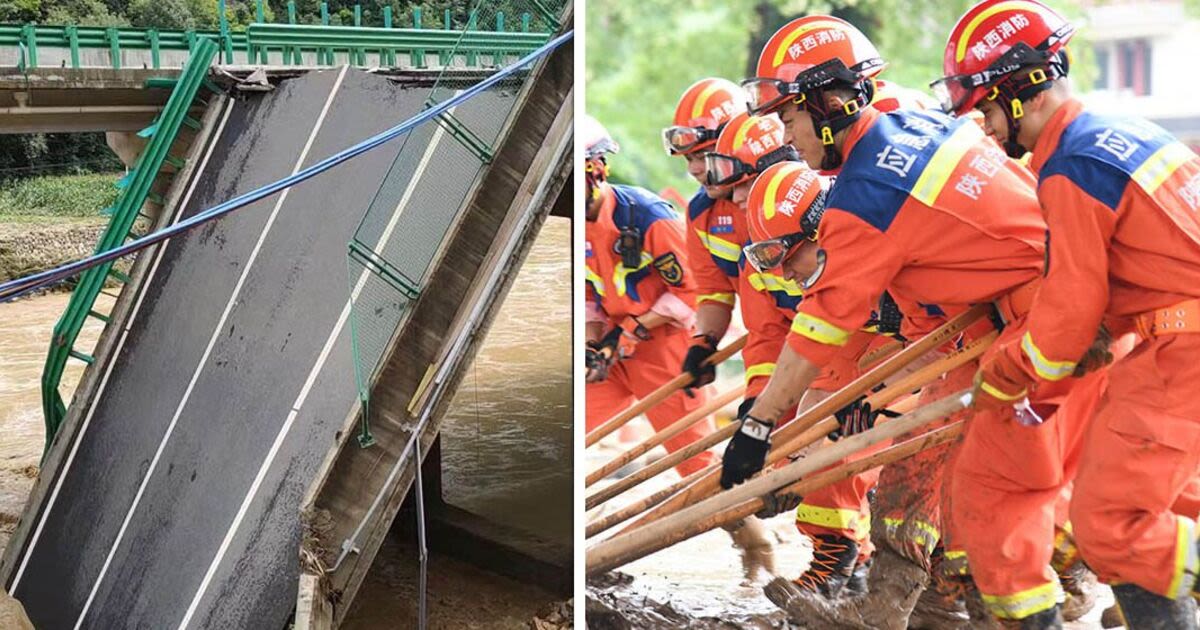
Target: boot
832, 565
1049, 619
941, 607
894, 584
1079, 584
1144, 610
751, 539
981, 617
857, 585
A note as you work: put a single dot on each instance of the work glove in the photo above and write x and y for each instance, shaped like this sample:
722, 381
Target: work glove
775, 504
597, 362
747, 451
623, 339
889, 318
1000, 381
857, 417
1097, 355
703, 347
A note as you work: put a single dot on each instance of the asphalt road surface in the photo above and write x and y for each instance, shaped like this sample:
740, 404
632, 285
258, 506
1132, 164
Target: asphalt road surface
179, 505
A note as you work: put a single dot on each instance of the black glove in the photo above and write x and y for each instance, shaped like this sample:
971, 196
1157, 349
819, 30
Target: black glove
745, 407
747, 451
889, 317
776, 504
703, 347
857, 417
597, 359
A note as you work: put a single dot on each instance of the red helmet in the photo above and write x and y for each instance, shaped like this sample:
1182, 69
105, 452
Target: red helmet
746, 147
702, 111
994, 40
784, 209
806, 54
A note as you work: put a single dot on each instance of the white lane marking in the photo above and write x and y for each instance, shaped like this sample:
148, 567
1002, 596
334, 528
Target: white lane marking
237, 289
308, 384
137, 305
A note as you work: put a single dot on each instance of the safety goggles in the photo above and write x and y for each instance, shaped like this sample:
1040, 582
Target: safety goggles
765, 94
679, 139
769, 254
725, 170
953, 92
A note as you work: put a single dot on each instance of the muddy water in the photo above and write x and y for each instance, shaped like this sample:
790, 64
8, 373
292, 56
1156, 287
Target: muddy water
25, 330
506, 454
506, 444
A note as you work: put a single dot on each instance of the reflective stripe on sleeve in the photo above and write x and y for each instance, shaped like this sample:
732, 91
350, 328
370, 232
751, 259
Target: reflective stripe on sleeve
759, 369
819, 330
1045, 368
723, 298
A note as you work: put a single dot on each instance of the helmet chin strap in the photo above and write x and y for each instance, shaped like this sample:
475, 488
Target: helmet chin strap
1011, 94
827, 122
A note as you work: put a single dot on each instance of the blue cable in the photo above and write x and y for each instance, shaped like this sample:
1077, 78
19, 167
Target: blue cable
16, 288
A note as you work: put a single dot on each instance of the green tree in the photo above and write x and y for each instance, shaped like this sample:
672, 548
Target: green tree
642, 55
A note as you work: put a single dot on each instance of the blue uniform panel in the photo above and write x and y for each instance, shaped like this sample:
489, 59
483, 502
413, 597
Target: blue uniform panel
1099, 154
881, 171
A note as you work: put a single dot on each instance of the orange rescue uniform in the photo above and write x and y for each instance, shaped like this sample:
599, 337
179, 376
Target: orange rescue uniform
661, 283
717, 231
1121, 197
929, 209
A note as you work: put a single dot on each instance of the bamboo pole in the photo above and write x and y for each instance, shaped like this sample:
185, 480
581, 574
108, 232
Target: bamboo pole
658, 395
821, 413
878, 354
677, 427
607, 521
877, 400
747, 497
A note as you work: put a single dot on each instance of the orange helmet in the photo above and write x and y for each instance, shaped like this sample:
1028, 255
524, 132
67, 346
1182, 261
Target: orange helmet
746, 147
994, 40
810, 53
784, 209
702, 111
808, 56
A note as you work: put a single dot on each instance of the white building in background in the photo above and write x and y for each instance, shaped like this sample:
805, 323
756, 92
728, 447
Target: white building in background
1148, 53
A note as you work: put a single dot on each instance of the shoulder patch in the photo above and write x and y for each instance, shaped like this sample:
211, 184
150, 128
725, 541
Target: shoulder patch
669, 268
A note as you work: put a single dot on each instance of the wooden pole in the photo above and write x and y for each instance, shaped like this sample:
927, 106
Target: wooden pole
747, 498
637, 507
658, 395
805, 425
677, 427
878, 354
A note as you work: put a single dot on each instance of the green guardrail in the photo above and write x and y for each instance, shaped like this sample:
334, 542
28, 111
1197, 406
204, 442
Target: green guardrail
135, 190
288, 41
387, 43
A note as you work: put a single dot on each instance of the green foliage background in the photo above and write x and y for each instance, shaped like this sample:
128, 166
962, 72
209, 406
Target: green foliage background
642, 55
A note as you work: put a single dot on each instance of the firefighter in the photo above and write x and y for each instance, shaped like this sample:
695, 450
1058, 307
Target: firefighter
715, 233
641, 300
924, 207
1120, 197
